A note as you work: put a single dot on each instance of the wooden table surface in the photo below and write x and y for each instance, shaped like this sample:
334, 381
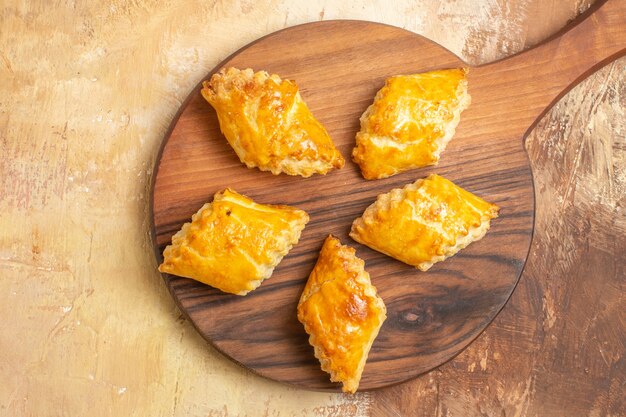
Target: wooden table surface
86, 94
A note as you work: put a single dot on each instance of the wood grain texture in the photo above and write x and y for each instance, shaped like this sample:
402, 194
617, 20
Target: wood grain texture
435, 315
558, 347
431, 316
87, 92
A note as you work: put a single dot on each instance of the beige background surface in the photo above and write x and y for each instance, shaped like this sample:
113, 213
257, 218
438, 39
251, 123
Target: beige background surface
87, 90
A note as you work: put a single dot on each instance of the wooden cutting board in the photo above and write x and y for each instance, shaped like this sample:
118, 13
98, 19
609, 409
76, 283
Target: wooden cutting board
339, 66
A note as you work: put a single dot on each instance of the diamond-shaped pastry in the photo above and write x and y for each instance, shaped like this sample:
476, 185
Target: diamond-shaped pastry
411, 121
269, 125
341, 312
233, 243
424, 222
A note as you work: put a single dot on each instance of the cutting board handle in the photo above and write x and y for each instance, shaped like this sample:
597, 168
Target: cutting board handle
526, 85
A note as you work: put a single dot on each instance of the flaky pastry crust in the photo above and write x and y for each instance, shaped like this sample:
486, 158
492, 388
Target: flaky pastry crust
268, 124
411, 121
233, 243
341, 312
424, 222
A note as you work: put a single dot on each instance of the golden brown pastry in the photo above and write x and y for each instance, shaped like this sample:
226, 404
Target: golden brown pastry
425, 222
411, 121
268, 124
341, 312
233, 243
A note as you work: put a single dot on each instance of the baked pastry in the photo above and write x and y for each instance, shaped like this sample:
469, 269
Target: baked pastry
341, 312
411, 121
268, 124
424, 222
233, 243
